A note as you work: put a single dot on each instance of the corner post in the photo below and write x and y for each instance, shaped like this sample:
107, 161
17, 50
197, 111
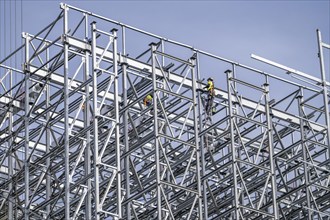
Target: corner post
155, 112
126, 141
26, 122
232, 142
95, 119
271, 147
197, 139
303, 146
325, 89
87, 116
117, 116
66, 113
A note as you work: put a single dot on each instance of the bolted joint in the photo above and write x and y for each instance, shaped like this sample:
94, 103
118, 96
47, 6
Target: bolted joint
93, 24
25, 35
228, 71
192, 62
26, 68
114, 31
266, 88
65, 39
64, 6
48, 77
124, 63
98, 161
153, 44
88, 47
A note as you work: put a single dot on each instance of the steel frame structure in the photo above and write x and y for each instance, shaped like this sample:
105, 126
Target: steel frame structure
77, 143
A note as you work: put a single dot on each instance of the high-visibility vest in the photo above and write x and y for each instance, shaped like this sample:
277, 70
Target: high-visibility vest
210, 88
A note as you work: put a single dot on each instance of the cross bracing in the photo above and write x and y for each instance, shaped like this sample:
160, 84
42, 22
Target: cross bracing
77, 142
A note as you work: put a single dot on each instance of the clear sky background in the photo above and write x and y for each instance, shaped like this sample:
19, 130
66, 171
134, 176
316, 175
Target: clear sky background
282, 31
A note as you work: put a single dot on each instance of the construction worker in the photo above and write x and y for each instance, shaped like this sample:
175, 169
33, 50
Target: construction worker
210, 97
147, 101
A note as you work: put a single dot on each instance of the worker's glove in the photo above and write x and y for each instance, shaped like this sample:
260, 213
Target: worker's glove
199, 90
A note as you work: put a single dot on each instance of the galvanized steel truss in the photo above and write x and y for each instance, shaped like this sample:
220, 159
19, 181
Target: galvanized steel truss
77, 142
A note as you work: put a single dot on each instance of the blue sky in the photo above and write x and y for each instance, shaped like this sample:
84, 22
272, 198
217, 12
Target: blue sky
282, 31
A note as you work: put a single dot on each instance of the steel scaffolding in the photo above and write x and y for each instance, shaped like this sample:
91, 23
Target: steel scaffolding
78, 143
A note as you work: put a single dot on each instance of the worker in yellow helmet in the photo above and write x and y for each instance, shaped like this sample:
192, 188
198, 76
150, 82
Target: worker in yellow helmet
210, 97
147, 101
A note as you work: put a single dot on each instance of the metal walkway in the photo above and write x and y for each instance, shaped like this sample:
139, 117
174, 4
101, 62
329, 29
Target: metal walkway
77, 142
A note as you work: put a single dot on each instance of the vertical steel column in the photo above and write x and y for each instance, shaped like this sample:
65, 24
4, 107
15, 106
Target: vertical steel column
163, 94
271, 148
117, 116
87, 116
163, 51
123, 39
200, 124
303, 137
66, 113
48, 135
126, 143
157, 156
10, 147
232, 143
235, 120
26, 121
197, 139
95, 117
324, 85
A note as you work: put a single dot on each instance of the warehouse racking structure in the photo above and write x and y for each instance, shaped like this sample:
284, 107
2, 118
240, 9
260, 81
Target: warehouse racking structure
77, 143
